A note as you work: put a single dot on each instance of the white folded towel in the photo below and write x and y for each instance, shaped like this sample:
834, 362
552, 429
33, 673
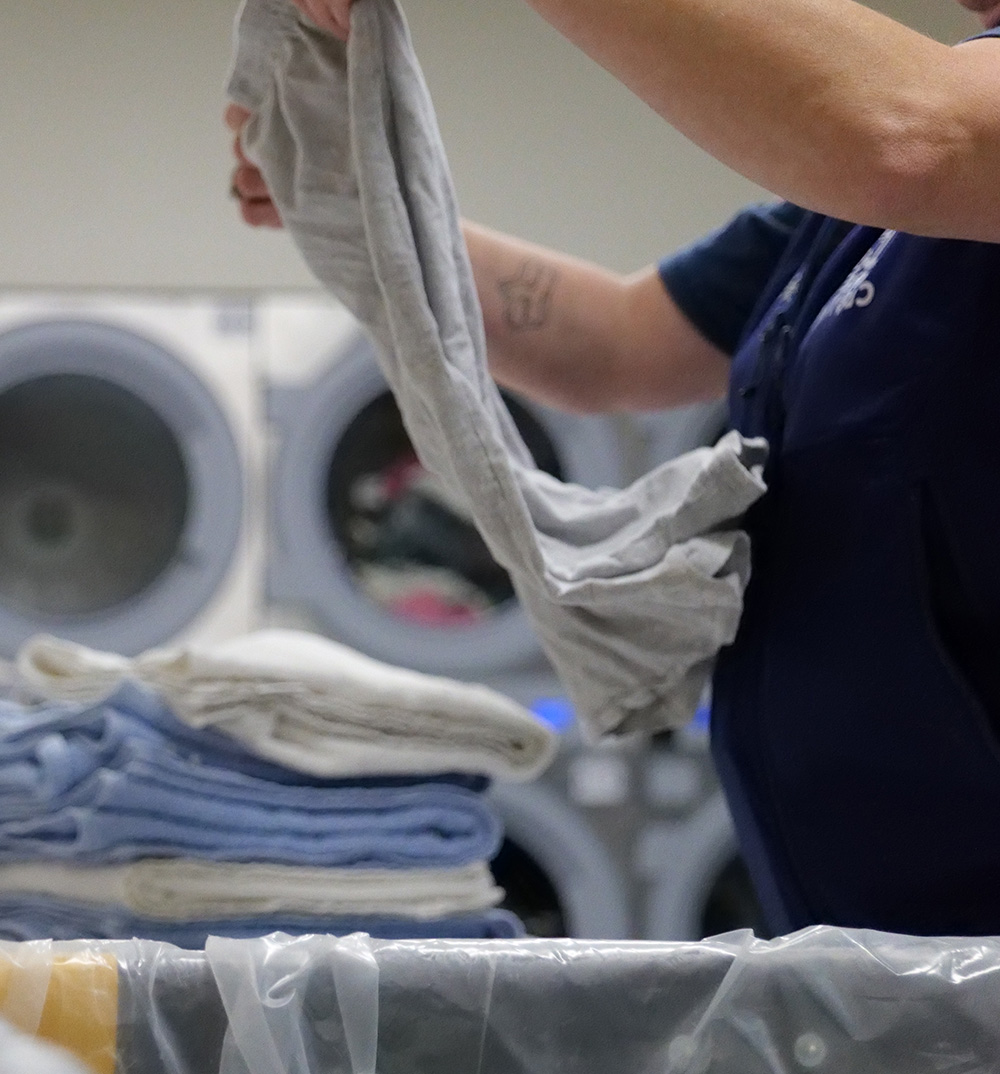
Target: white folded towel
311, 704
182, 889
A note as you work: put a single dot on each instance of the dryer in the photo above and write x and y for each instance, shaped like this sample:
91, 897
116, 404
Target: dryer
130, 477
363, 544
626, 840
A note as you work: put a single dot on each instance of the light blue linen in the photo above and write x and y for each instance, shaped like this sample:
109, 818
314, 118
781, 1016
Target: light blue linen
105, 784
34, 917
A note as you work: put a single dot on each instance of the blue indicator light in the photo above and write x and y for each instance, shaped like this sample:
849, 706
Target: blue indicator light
557, 712
700, 720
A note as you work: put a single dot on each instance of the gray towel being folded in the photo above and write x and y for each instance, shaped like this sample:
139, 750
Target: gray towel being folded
633, 591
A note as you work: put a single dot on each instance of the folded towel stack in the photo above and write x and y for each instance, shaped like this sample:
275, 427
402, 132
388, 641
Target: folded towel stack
311, 704
154, 803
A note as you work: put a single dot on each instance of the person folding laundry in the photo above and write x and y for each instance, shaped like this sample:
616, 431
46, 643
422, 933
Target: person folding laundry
854, 320
633, 591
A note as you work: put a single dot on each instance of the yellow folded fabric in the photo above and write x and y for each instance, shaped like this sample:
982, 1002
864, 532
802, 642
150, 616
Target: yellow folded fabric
69, 1000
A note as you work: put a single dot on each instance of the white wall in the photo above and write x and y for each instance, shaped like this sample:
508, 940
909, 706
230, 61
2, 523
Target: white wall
114, 162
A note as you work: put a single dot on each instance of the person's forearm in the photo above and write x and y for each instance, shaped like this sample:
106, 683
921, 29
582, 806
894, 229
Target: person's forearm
824, 102
550, 320
575, 336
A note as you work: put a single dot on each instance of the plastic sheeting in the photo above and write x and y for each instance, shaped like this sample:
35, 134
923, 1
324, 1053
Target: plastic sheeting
64, 994
823, 999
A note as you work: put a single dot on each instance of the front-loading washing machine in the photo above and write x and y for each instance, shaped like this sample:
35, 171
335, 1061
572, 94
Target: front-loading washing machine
130, 469
628, 839
364, 545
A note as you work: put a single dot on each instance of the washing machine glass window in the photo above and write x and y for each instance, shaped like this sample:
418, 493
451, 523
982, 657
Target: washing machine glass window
121, 486
83, 526
329, 511
413, 550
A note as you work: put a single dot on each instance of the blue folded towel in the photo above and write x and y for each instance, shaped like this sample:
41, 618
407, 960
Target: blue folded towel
38, 917
113, 783
141, 713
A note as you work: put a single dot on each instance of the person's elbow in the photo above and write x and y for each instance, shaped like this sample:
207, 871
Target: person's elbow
931, 170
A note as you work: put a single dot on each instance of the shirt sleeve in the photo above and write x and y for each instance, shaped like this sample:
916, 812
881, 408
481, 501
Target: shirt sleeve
717, 280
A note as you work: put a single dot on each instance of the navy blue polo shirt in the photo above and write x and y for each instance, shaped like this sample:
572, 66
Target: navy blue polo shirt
856, 717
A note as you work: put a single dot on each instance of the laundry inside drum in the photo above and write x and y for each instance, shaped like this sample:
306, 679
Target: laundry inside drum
411, 548
93, 496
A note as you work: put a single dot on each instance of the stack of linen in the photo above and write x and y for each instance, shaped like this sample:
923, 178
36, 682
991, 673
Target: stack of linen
276, 783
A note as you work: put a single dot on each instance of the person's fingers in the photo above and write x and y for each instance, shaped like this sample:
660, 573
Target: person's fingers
340, 16
247, 185
257, 207
248, 182
235, 116
260, 212
238, 153
330, 15
318, 12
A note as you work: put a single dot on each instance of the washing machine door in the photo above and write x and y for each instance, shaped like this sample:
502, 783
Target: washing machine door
557, 873
623, 840
376, 550
120, 487
695, 881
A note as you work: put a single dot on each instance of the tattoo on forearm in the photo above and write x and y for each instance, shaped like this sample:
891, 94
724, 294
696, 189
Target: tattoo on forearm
526, 295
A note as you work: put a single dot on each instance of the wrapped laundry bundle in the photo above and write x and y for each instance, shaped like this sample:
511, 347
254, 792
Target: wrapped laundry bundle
632, 591
311, 704
118, 818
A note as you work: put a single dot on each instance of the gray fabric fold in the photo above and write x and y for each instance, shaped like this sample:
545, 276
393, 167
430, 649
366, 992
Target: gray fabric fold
633, 591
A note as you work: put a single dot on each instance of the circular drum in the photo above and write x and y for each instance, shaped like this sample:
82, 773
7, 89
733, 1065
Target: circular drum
558, 875
120, 488
376, 550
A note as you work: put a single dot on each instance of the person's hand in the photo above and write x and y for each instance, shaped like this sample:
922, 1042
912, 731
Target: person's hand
247, 184
331, 15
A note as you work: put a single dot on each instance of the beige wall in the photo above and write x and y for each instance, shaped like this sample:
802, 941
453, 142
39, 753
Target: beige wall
114, 163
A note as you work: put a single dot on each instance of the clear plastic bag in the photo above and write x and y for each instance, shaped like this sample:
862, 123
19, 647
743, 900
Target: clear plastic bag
68, 995
823, 999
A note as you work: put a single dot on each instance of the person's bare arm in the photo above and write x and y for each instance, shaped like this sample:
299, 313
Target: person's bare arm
575, 336
824, 102
559, 330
